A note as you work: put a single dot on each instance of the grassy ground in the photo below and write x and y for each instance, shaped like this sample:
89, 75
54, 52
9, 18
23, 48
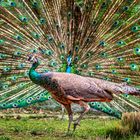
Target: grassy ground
55, 129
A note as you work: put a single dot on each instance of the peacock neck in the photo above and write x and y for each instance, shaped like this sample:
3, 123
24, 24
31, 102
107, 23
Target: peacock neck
35, 76
35, 65
68, 68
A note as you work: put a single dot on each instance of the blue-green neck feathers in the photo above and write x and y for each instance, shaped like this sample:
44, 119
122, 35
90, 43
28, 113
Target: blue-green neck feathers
35, 76
41, 79
35, 65
69, 60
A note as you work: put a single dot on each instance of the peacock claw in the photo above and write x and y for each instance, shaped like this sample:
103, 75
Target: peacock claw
75, 125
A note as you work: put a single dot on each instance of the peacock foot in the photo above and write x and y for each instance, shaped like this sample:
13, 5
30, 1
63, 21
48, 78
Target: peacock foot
75, 125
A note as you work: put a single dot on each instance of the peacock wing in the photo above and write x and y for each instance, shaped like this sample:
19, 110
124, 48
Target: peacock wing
82, 87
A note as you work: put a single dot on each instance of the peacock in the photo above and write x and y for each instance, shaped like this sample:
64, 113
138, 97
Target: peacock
75, 51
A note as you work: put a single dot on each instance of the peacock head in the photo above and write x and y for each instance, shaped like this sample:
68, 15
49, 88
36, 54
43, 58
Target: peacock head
69, 58
33, 58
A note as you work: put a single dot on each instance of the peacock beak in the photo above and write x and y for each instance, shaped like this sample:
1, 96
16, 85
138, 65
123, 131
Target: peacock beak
69, 63
69, 59
31, 58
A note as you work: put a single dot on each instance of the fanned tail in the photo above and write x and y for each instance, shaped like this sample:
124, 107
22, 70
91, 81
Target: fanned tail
103, 37
131, 90
121, 88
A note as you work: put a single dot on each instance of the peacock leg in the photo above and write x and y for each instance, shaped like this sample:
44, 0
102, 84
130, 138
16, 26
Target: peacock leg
70, 114
63, 112
86, 109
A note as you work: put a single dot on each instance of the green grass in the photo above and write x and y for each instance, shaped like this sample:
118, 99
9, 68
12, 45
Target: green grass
55, 129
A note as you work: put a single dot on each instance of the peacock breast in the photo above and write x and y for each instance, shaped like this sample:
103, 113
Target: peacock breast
48, 83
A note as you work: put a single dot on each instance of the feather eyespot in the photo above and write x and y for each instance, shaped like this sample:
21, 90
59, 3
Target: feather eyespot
4, 105
37, 97
49, 97
15, 105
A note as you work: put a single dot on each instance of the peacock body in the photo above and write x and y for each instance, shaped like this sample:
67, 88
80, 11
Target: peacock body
91, 38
